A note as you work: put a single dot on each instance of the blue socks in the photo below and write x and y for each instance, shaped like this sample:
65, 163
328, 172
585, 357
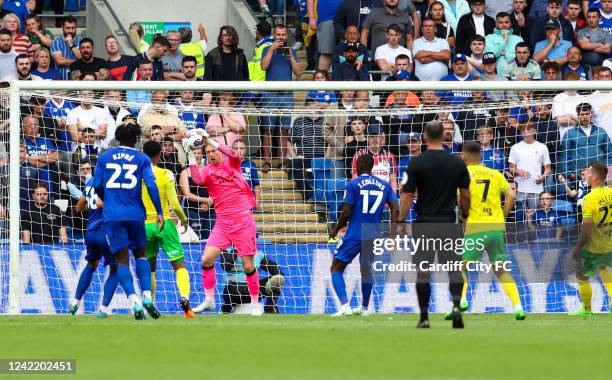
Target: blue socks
366, 292
143, 272
339, 286
126, 280
84, 281
109, 287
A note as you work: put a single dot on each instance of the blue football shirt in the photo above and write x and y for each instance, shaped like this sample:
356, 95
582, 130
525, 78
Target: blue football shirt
95, 216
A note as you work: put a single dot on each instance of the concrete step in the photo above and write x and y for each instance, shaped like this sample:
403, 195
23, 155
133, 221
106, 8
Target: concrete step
287, 207
274, 174
281, 196
265, 218
260, 161
281, 238
268, 228
276, 184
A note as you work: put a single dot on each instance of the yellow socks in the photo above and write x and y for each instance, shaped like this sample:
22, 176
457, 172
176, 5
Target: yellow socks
606, 278
585, 290
182, 281
465, 287
153, 286
507, 282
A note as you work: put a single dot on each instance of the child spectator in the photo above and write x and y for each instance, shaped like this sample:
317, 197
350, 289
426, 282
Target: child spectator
491, 157
545, 221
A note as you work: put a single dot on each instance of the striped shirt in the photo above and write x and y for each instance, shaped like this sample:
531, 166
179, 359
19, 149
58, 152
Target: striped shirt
60, 46
22, 45
385, 164
307, 135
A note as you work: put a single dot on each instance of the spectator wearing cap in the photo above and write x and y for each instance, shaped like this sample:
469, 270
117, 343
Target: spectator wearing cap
522, 67
226, 62
553, 10
385, 54
308, 138
474, 23
477, 45
522, 23
594, 42
459, 74
454, 10
385, 164
351, 37
321, 19
351, 69
574, 59
431, 54
411, 146
489, 68
379, 19
263, 33
553, 48
502, 42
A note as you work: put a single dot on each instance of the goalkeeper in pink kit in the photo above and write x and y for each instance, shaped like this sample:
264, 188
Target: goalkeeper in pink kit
234, 225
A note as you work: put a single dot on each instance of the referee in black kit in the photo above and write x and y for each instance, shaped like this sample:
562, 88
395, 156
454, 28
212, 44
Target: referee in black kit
435, 176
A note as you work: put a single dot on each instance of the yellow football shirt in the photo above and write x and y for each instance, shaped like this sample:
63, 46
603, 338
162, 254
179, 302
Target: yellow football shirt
163, 178
486, 189
598, 208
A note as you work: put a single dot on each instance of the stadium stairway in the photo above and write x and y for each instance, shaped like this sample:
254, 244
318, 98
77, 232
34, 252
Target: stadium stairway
283, 217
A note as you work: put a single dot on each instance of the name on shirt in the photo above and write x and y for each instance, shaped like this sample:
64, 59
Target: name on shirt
123, 156
371, 181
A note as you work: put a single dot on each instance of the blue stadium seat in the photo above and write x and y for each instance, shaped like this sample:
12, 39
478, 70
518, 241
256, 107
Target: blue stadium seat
334, 195
565, 210
321, 171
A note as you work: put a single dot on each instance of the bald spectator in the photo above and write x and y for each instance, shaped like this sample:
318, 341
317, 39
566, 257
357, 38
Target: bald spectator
173, 59
538, 33
574, 59
553, 48
474, 23
379, 19
431, 54
502, 42
351, 37
594, 42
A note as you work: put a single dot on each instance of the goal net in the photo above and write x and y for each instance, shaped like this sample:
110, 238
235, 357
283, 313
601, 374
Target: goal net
300, 141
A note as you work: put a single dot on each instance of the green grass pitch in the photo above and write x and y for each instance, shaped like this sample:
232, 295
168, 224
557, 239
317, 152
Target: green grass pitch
316, 347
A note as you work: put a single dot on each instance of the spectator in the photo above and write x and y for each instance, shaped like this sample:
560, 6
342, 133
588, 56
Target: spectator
23, 66
551, 70
385, 54
350, 69
385, 164
65, 48
7, 55
88, 63
413, 144
325, 99
199, 205
547, 131
494, 7
459, 74
574, 65
249, 170
21, 43
41, 152
87, 149
454, 10
553, 48
139, 97
583, 145
505, 134
573, 15
169, 158
279, 62
474, 23
545, 221
601, 101
42, 58
401, 121
529, 163
595, 42
226, 126
523, 113
42, 222
39, 37
48, 127
19, 9
264, 38
227, 61
443, 28
489, 66
173, 59
351, 13
86, 116
185, 104
564, 106
538, 9
236, 292
116, 63
194, 49
378, 21
58, 109
448, 138
351, 37
159, 47
474, 114
161, 113
522, 67
522, 23
431, 54
491, 157
576, 195
307, 135
323, 22
358, 141
502, 42
136, 34
477, 45
538, 33
606, 15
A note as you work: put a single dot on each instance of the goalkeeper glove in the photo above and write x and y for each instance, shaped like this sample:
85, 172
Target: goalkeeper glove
189, 155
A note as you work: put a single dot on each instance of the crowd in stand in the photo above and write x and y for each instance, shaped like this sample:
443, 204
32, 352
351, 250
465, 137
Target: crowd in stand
542, 148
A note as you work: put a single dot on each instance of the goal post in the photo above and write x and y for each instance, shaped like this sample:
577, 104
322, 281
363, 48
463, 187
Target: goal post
292, 229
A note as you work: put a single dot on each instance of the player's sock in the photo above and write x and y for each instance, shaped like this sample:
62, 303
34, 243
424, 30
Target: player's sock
585, 290
423, 290
366, 292
127, 281
339, 287
110, 286
153, 286
84, 281
209, 280
464, 289
182, 282
509, 285
455, 286
606, 278
252, 280
143, 272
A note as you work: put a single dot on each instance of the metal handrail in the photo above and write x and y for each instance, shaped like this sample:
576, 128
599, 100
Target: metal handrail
121, 30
